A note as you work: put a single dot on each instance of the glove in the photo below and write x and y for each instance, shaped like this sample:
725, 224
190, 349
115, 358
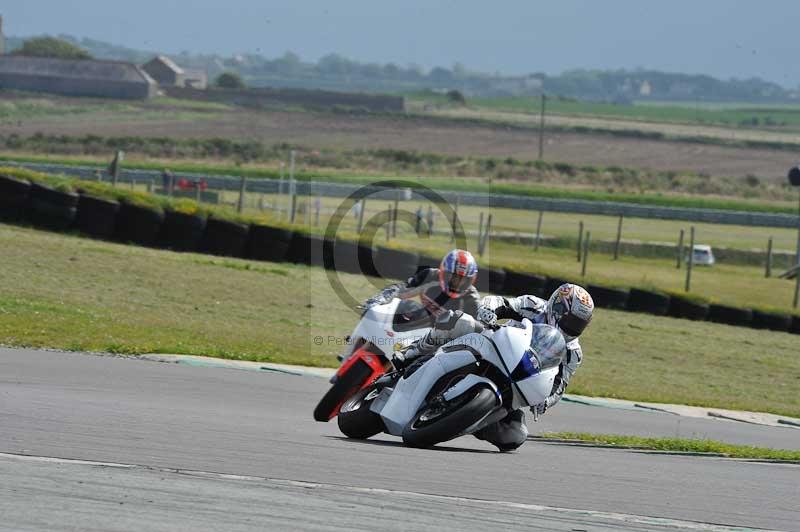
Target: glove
487, 316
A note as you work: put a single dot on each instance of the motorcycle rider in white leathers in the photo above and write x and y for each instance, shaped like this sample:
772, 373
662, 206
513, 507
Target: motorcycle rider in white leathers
569, 309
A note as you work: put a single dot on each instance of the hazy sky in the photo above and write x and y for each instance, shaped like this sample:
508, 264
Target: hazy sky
723, 38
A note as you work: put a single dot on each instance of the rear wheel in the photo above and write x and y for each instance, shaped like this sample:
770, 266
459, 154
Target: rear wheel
355, 418
344, 387
440, 421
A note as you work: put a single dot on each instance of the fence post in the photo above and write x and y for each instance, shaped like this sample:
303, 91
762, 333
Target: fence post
395, 213
318, 206
293, 214
150, 186
691, 260
171, 181
680, 251
580, 239
361, 215
430, 220
768, 270
484, 239
389, 223
538, 232
480, 230
242, 187
455, 219
114, 168
98, 175
619, 237
198, 194
585, 253
796, 289
133, 183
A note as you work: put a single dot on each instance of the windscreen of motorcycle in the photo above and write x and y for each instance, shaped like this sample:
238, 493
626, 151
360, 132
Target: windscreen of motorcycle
547, 350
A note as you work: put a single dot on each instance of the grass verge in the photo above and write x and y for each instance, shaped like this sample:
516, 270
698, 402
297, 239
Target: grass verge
678, 445
65, 292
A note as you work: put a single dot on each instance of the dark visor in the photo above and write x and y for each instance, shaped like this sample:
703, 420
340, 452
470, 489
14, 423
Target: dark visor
572, 325
457, 283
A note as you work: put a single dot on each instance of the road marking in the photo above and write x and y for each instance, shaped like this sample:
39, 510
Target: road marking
627, 519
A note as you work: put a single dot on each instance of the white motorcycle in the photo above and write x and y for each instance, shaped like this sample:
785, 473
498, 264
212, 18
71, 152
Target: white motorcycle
468, 384
382, 330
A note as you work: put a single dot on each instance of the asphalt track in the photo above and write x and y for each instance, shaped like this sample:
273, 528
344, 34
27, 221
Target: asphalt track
135, 445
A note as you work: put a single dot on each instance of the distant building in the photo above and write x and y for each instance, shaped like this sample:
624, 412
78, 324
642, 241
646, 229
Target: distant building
74, 77
164, 70
196, 78
2, 37
168, 74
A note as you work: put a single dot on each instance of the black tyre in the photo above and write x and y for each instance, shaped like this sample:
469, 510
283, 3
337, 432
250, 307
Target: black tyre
648, 302
606, 297
517, 283
741, 317
551, 285
395, 264
13, 199
680, 307
96, 217
795, 328
181, 231
490, 280
451, 420
52, 209
305, 249
355, 418
347, 385
225, 238
138, 224
268, 243
773, 321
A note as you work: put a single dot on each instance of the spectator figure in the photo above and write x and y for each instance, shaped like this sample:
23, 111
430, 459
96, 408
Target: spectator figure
418, 223
430, 220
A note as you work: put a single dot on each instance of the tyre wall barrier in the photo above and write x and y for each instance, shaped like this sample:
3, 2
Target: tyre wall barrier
181, 231
773, 321
741, 317
306, 249
605, 297
138, 224
14, 194
427, 262
395, 264
491, 280
680, 307
648, 302
52, 209
795, 327
96, 217
347, 256
518, 283
225, 238
268, 243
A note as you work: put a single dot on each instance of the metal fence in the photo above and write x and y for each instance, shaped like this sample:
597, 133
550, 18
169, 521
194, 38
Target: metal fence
314, 188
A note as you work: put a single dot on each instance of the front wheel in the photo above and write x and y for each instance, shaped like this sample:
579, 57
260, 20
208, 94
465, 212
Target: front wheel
441, 421
345, 386
356, 420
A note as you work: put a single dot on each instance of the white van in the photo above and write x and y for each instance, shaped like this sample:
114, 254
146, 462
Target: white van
702, 255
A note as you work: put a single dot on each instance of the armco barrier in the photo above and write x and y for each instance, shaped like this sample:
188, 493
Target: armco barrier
144, 225
270, 186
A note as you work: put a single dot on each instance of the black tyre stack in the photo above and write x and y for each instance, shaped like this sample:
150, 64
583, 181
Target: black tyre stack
52, 209
395, 264
686, 308
606, 297
741, 317
182, 231
138, 224
305, 249
774, 321
225, 238
97, 217
491, 280
648, 302
517, 283
268, 243
14, 194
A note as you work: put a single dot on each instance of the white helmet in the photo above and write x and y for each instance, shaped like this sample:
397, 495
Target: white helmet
570, 309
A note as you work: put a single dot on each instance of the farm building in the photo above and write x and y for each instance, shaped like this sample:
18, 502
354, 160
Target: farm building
71, 77
164, 70
168, 74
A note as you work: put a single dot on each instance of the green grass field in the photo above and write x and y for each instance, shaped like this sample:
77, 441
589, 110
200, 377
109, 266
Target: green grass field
774, 117
62, 291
